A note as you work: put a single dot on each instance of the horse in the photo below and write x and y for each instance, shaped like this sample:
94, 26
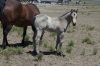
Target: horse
57, 24
78, 3
15, 13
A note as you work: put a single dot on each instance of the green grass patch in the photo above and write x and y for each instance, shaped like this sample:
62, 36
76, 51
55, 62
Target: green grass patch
53, 34
27, 38
51, 47
68, 49
71, 43
11, 51
87, 40
45, 44
39, 56
94, 51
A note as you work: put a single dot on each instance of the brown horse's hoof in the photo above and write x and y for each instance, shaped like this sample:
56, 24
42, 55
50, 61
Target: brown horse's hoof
3, 46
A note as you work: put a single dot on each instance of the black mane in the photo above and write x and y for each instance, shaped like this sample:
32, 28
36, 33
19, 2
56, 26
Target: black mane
2, 5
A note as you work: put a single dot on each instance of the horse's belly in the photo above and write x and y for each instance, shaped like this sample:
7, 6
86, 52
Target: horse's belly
22, 23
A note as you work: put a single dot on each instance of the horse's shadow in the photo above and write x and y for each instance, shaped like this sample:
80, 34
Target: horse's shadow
27, 43
44, 52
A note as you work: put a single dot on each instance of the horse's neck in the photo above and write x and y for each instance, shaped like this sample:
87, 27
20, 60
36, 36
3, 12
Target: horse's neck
66, 17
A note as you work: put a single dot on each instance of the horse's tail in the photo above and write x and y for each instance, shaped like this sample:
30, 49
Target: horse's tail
33, 21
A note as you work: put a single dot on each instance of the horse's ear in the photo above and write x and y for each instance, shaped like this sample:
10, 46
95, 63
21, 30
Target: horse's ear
71, 10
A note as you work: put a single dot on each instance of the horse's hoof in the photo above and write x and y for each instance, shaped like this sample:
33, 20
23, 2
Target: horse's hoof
60, 54
35, 53
23, 44
3, 47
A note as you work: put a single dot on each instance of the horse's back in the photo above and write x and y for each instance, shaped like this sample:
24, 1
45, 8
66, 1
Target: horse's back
29, 10
44, 21
12, 9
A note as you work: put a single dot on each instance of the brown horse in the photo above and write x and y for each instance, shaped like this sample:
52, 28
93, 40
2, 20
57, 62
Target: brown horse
15, 13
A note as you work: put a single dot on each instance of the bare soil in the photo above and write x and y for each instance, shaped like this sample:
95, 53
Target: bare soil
82, 53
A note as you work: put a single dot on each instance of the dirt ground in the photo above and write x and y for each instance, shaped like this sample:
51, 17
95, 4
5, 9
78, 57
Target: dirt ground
82, 53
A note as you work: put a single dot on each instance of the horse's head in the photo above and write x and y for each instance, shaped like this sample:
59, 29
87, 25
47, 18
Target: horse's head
74, 16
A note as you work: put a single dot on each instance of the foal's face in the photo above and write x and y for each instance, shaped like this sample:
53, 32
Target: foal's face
74, 17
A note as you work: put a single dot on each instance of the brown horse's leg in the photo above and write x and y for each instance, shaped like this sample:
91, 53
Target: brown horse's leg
24, 33
6, 29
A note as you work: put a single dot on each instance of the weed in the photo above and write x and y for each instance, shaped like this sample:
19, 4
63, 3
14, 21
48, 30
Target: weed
87, 40
94, 51
89, 27
68, 49
70, 30
27, 38
52, 34
51, 47
7, 54
19, 31
45, 43
11, 51
39, 56
71, 43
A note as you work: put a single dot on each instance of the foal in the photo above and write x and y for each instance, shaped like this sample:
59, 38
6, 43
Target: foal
57, 24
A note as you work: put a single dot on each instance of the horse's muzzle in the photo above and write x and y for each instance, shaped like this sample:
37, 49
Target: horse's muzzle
74, 24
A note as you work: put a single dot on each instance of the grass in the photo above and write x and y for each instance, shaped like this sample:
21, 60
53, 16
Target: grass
69, 46
27, 38
18, 30
11, 51
87, 40
39, 56
71, 43
89, 27
68, 49
94, 51
52, 34
70, 30
45, 43
51, 47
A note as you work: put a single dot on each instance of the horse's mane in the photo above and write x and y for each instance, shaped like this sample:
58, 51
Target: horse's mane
65, 14
2, 5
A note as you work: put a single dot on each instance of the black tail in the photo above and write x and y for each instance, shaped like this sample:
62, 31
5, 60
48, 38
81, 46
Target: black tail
33, 20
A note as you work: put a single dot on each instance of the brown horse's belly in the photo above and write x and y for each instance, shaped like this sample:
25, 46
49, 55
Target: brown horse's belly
22, 23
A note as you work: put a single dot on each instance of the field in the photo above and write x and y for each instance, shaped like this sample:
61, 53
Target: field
81, 45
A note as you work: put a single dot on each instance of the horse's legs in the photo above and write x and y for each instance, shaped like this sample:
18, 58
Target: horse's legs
37, 40
57, 42
6, 29
61, 40
24, 33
